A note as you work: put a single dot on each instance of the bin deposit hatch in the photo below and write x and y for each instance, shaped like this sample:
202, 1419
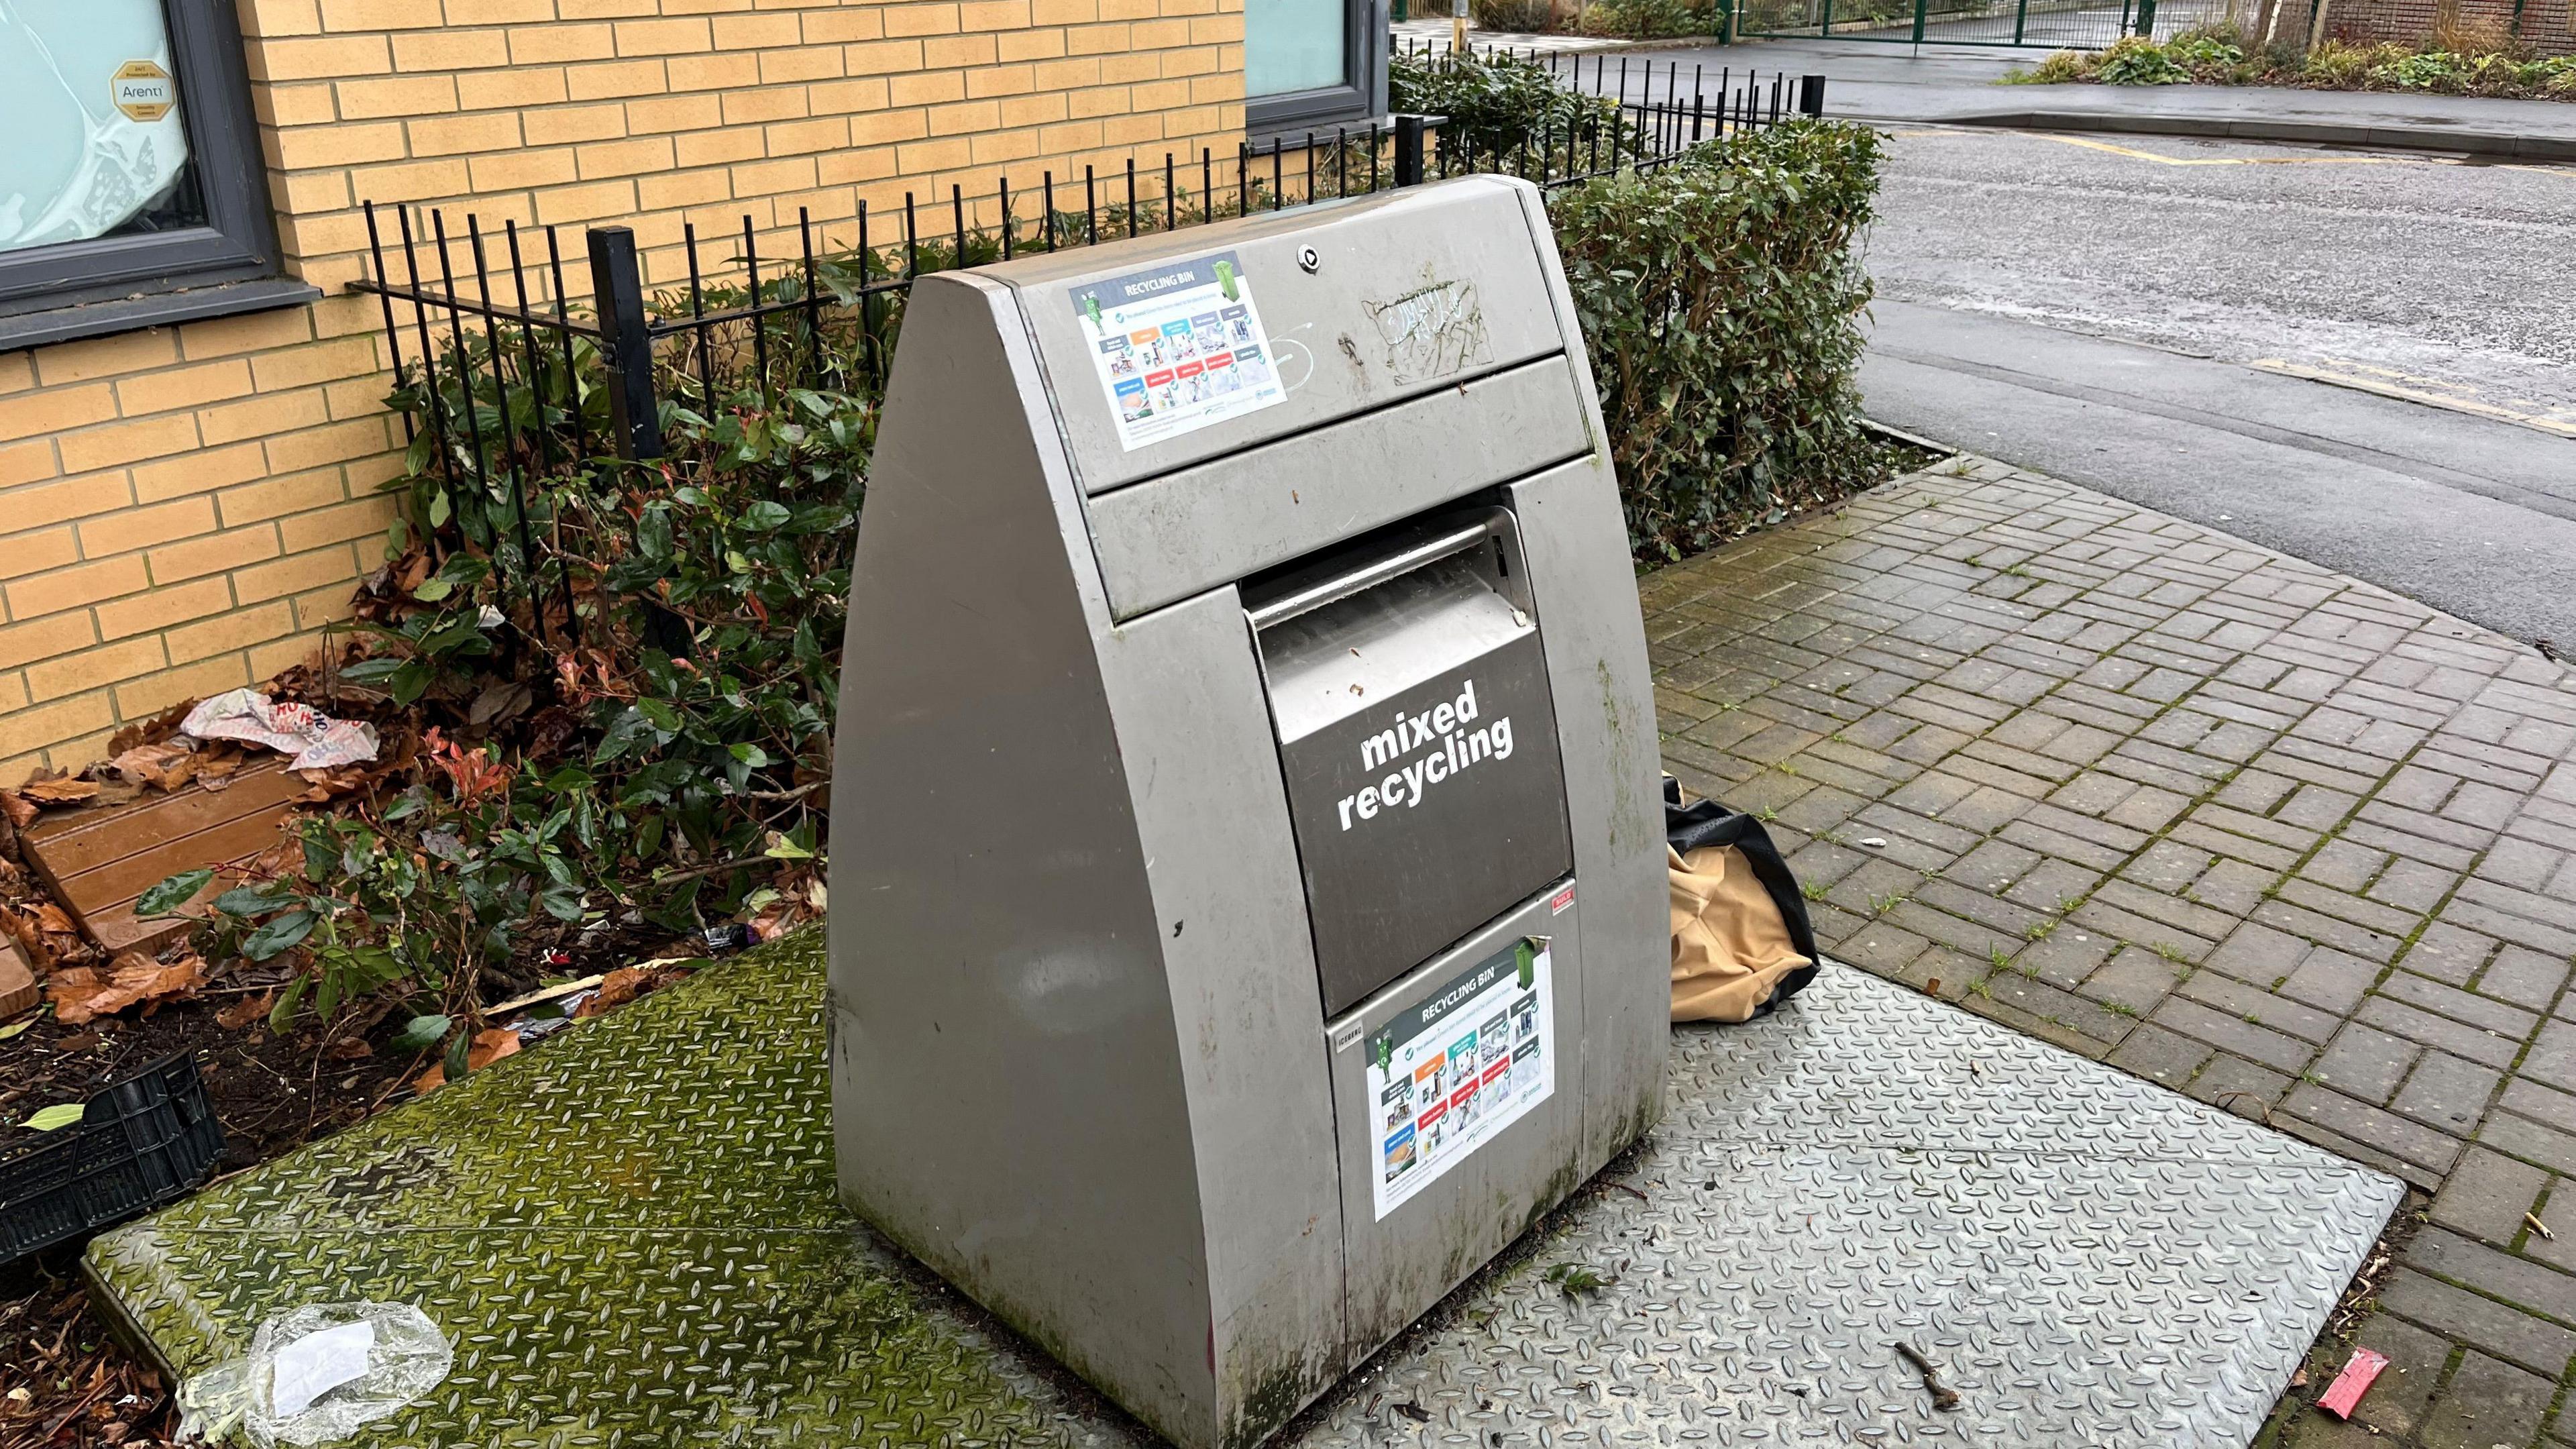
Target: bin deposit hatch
1253, 915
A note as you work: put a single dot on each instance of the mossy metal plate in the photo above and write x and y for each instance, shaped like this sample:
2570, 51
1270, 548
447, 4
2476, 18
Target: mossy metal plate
632, 1236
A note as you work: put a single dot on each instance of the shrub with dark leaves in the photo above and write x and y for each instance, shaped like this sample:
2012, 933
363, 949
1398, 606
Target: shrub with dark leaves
1721, 300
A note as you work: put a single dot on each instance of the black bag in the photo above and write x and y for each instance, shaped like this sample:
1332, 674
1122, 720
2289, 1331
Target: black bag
1710, 823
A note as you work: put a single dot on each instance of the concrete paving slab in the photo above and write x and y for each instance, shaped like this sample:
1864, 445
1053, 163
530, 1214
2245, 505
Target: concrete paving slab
2296, 845
631, 1235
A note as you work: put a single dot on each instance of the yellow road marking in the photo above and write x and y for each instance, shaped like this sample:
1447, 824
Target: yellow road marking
2432, 392
2136, 154
2132, 152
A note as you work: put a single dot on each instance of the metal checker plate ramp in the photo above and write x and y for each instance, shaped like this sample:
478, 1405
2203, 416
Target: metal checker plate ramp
632, 1237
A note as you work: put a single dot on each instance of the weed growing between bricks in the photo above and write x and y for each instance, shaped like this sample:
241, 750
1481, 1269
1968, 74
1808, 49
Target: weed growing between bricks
2342, 1333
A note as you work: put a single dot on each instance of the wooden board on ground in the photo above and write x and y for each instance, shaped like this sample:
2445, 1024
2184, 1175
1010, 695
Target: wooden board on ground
17, 983
96, 862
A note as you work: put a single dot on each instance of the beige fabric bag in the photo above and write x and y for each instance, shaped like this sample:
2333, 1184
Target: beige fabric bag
1730, 946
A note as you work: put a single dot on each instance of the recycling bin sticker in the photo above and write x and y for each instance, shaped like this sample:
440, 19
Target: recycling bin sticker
1452, 1071
1179, 347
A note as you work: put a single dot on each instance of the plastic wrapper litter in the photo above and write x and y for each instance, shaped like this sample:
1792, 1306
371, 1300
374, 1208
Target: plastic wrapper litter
316, 740
316, 1374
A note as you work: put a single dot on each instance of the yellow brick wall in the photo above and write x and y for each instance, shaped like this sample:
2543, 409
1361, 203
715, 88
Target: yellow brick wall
181, 509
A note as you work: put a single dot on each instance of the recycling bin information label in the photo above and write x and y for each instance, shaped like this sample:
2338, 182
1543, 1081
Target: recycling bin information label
1179, 347
1450, 1073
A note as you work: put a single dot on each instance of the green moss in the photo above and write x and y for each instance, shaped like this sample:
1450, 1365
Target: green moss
1272, 1402
630, 1233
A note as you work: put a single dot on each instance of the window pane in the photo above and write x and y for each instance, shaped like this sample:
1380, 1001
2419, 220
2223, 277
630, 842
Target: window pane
1290, 45
89, 110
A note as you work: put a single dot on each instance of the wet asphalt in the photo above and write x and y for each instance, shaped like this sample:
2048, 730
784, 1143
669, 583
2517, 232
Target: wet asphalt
2129, 313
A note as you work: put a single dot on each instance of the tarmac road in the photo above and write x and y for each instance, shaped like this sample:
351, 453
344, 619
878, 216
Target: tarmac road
2414, 264
2144, 316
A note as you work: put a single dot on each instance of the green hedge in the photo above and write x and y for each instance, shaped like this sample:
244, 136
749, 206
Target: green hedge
1496, 104
1721, 300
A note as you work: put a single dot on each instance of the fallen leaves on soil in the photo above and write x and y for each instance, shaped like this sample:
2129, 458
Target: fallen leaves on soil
104, 1398
81, 994
490, 1046
245, 1011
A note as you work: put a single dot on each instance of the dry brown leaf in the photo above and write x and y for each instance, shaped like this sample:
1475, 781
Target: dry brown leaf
780, 919
58, 792
352, 1048
626, 983
53, 920
21, 927
80, 994
77, 984
19, 809
245, 1011
616, 989
162, 766
142, 761
330, 784
489, 1047
152, 731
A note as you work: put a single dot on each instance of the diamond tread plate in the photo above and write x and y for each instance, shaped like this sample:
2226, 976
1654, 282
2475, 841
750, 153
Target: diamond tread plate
633, 1238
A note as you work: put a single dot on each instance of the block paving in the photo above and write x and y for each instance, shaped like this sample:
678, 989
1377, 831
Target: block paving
2238, 824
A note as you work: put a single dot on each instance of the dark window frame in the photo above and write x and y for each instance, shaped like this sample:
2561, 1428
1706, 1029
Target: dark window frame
1358, 98
229, 264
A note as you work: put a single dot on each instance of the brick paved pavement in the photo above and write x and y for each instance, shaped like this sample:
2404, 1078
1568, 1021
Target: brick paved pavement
2264, 833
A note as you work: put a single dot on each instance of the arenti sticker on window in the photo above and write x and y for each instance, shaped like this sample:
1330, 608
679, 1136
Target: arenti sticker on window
1450, 1073
1179, 347
142, 90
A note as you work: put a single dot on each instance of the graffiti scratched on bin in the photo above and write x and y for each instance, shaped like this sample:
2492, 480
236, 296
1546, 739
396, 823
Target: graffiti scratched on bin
1432, 331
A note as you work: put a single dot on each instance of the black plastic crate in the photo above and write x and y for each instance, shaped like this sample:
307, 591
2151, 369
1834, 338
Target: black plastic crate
143, 1140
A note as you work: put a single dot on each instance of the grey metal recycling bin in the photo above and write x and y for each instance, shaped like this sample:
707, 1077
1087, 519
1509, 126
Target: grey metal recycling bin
1248, 904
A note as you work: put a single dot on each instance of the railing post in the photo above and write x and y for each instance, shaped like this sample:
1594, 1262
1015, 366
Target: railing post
626, 343
1408, 151
1811, 95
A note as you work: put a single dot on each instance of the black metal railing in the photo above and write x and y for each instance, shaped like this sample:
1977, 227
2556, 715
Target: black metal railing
1644, 80
520, 378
